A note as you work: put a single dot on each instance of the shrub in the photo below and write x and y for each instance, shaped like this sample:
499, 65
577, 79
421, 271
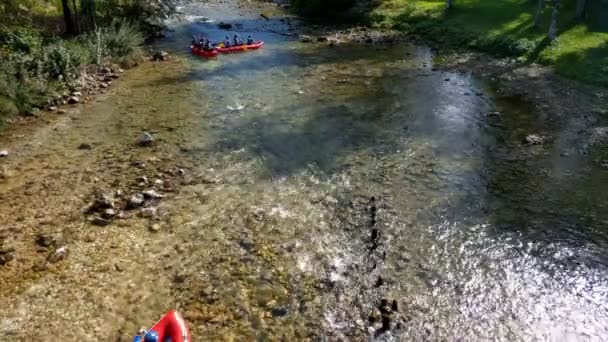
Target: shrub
21, 39
58, 62
123, 39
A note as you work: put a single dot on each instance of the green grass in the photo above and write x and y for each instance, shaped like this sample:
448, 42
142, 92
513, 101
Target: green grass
504, 28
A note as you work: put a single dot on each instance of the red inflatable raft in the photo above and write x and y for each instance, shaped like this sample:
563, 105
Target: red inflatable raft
171, 327
204, 53
240, 48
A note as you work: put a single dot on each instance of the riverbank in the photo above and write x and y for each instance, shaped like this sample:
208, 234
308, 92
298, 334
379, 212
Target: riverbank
504, 28
48, 60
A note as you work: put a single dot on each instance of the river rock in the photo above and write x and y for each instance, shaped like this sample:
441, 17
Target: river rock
109, 213
6, 256
3, 153
99, 221
135, 201
85, 146
34, 112
61, 111
146, 139
58, 255
73, 100
160, 56
149, 212
52, 108
155, 227
305, 39
281, 311
100, 202
534, 139
152, 194
103, 85
48, 240
224, 26
106, 70
599, 135
76, 94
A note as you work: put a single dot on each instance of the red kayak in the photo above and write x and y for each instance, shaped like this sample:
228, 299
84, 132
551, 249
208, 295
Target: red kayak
204, 53
256, 45
170, 328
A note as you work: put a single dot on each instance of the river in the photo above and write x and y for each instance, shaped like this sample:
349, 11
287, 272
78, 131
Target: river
326, 193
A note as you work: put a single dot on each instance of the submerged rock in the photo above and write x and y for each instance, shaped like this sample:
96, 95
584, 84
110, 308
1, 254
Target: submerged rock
148, 212
146, 139
58, 255
281, 311
48, 240
135, 201
305, 39
85, 146
224, 26
534, 139
152, 194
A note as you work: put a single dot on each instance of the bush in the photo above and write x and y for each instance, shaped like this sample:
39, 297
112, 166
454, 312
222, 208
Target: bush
123, 39
21, 39
59, 62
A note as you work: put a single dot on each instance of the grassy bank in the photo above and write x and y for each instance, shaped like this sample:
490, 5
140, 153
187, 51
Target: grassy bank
506, 28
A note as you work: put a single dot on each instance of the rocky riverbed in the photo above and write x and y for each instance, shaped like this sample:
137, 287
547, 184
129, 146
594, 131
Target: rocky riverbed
307, 191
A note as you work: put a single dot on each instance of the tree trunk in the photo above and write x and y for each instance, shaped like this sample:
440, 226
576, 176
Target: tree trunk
77, 21
449, 5
67, 17
553, 27
581, 9
539, 10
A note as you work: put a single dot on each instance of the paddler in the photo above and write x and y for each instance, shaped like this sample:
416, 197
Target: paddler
237, 40
249, 40
227, 42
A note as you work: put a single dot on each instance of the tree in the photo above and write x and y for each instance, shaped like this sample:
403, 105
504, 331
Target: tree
539, 10
553, 26
67, 17
581, 9
449, 5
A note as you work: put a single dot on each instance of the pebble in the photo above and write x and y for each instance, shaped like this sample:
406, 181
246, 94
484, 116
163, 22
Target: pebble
100, 221
109, 213
146, 139
136, 201
280, 311
58, 255
534, 139
155, 227
148, 212
152, 194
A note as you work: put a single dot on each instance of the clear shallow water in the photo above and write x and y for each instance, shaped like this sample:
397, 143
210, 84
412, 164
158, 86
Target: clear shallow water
358, 194
474, 236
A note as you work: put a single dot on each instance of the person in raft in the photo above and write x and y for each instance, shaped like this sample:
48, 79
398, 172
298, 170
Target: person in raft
249, 40
237, 40
206, 44
227, 42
